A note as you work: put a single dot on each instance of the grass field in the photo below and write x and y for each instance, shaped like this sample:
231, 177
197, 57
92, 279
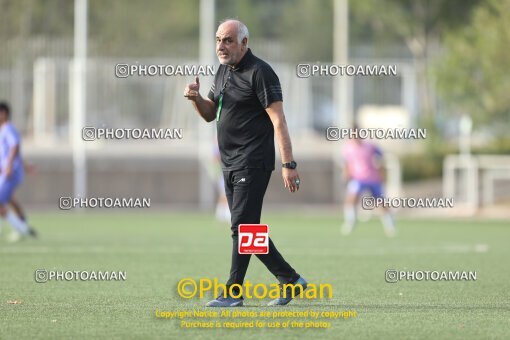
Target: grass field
158, 250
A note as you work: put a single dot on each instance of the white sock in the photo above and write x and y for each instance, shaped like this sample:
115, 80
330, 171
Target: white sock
17, 223
350, 214
388, 221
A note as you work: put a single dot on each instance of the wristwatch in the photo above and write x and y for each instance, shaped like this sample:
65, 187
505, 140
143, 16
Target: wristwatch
291, 165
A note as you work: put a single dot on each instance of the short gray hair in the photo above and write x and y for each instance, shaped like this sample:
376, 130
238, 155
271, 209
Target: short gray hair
242, 30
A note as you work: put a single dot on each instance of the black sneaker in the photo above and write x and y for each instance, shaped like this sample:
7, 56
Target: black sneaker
288, 296
228, 301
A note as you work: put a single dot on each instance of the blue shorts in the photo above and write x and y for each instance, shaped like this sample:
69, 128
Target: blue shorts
9, 185
357, 187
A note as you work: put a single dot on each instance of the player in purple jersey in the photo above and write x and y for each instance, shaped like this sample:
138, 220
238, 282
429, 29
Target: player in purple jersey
363, 172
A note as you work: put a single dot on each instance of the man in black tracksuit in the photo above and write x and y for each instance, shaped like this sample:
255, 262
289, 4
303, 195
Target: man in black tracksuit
246, 102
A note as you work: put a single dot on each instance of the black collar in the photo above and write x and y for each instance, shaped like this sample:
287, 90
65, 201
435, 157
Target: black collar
248, 56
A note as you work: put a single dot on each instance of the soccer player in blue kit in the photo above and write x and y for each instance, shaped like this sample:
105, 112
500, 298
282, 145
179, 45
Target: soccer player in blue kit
11, 171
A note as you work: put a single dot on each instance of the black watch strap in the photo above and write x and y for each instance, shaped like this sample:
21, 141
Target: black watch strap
291, 165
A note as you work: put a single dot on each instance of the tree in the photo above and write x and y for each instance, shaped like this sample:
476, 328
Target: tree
473, 76
418, 24
303, 28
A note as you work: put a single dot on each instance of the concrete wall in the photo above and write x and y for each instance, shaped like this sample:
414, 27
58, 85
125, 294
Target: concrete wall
170, 181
